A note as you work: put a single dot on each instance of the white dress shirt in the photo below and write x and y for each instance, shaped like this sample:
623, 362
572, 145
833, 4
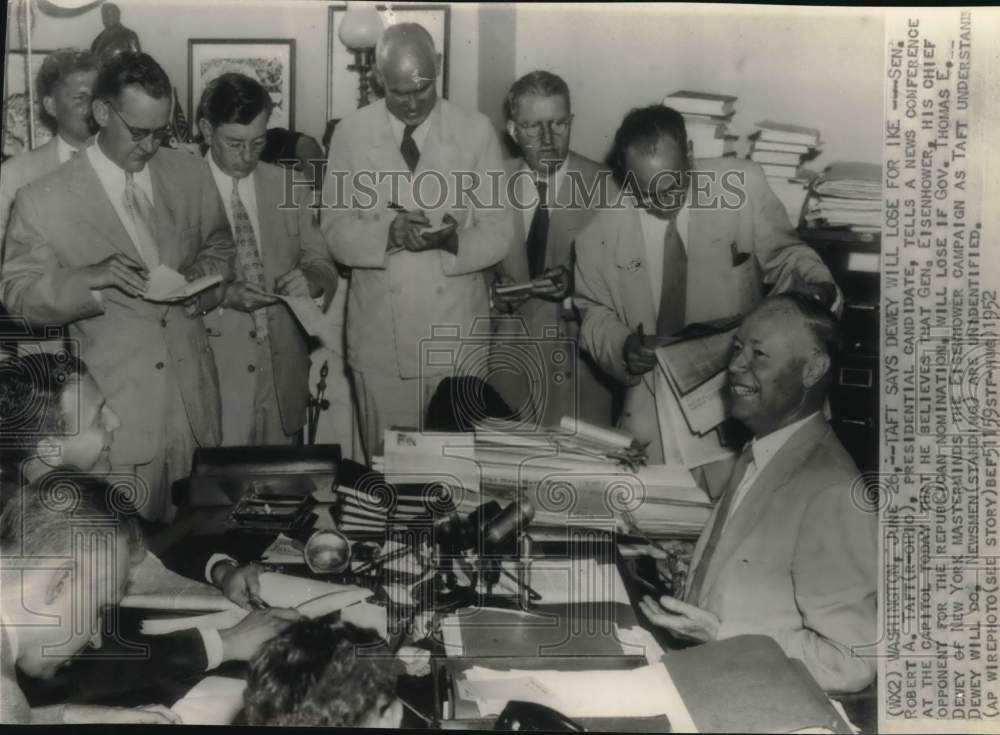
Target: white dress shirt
654, 233
248, 195
112, 179
65, 151
763, 450
527, 191
419, 133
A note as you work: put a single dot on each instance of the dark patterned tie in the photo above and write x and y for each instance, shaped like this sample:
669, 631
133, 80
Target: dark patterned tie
411, 154
673, 291
538, 233
251, 268
697, 580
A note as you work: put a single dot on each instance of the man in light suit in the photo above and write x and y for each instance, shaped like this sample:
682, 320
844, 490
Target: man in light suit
702, 241
561, 385
790, 550
66, 88
259, 347
81, 243
398, 167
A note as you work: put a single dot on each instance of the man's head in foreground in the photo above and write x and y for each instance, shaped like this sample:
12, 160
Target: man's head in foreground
67, 544
539, 119
235, 110
320, 673
782, 362
407, 67
651, 159
52, 414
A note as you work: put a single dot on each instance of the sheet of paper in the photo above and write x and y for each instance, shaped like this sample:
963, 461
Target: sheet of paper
561, 581
215, 700
306, 312
212, 621
174, 601
284, 550
286, 590
167, 285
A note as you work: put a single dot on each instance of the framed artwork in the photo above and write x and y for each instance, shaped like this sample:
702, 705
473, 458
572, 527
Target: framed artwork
15, 103
342, 84
271, 61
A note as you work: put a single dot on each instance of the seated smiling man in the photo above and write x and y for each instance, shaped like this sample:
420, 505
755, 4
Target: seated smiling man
52, 415
67, 545
789, 551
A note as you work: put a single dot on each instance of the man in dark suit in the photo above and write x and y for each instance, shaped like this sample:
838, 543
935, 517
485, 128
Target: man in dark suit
554, 192
790, 550
81, 244
259, 347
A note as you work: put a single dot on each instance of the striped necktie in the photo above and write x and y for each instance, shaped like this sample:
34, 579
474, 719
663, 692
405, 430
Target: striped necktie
697, 580
140, 209
251, 268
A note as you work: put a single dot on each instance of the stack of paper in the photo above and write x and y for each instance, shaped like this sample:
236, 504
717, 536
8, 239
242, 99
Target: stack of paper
847, 196
706, 117
780, 148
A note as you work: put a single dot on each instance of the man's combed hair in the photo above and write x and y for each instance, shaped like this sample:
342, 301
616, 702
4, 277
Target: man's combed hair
320, 673
643, 128
48, 516
540, 83
233, 98
56, 67
132, 68
31, 391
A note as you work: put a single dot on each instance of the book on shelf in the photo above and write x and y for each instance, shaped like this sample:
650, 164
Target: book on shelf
700, 103
786, 133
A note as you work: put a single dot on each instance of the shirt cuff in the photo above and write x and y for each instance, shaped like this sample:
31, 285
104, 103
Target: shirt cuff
212, 561
213, 648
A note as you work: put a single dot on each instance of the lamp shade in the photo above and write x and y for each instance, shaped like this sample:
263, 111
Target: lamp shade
361, 26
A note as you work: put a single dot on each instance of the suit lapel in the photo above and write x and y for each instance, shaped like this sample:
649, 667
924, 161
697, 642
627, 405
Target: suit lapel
269, 217
635, 290
775, 476
165, 225
94, 207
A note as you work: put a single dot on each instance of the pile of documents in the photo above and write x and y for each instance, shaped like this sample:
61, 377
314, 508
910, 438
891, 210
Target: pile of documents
585, 477
780, 148
847, 195
706, 117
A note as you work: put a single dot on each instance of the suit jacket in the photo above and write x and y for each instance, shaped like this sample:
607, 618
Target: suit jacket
395, 300
19, 171
64, 222
290, 238
614, 294
563, 391
798, 560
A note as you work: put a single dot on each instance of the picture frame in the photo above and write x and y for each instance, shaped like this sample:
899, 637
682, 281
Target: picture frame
270, 60
15, 104
342, 84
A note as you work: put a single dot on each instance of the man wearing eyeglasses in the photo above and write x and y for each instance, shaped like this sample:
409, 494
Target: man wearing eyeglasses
548, 189
260, 351
81, 245
701, 241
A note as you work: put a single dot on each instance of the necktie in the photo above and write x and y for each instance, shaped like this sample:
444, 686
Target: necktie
538, 233
411, 154
725, 503
673, 291
251, 268
140, 209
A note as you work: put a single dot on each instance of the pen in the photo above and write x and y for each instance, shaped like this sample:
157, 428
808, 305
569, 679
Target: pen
257, 603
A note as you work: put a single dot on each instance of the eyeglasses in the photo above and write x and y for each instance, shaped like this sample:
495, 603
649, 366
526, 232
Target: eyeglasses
140, 134
252, 146
559, 126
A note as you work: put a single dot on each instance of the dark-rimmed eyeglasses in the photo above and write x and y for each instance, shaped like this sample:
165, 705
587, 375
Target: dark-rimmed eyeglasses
141, 134
559, 126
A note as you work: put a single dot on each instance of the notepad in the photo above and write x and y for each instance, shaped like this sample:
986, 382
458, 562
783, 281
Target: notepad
167, 285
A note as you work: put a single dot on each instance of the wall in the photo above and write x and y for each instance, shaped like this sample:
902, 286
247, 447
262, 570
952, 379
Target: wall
164, 27
819, 67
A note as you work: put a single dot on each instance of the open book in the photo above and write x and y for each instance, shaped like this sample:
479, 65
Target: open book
167, 285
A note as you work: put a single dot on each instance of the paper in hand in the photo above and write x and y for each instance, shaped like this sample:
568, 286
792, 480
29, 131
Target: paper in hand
167, 285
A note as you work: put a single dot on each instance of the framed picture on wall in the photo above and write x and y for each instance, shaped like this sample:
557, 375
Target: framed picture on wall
21, 72
342, 84
271, 61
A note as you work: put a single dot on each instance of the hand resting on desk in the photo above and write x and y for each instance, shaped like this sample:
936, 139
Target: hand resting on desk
680, 618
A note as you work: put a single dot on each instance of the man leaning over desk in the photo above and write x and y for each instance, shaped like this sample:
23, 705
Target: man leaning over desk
790, 550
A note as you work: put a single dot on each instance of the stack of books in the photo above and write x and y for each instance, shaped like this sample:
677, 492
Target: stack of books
847, 196
780, 148
706, 117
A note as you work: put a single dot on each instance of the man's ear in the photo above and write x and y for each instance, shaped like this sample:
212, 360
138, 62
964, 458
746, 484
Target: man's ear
690, 151
49, 105
101, 112
511, 129
206, 130
59, 584
817, 366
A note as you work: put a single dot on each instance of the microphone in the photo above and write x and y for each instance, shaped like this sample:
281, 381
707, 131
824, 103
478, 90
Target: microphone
501, 529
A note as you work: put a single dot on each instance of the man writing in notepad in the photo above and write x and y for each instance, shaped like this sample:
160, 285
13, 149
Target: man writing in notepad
790, 550
80, 245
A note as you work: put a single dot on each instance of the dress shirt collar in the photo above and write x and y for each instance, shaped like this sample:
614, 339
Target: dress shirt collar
765, 447
224, 182
112, 176
682, 218
419, 133
65, 151
554, 181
